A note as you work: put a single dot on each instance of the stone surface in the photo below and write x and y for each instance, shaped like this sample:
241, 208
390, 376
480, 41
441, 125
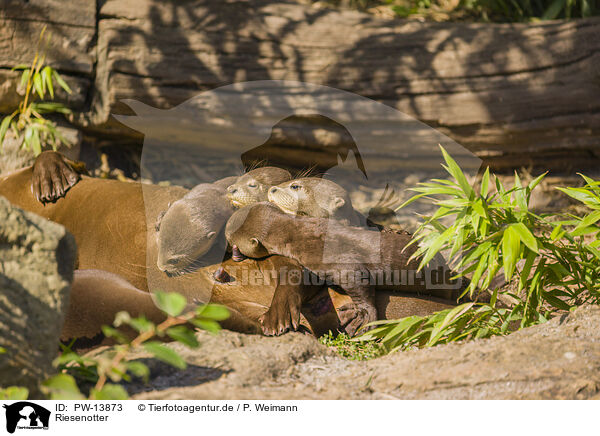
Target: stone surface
36, 269
559, 360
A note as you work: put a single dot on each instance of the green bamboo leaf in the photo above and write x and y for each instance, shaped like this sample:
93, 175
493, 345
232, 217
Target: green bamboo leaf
24, 78
38, 85
519, 193
454, 170
524, 276
47, 78
4, 127
557, 232
35, 142
61, 82
554, 9
452, 315
485, 181
526, 236
165, 354
435, 246
20, 67
554, 301
589, 219
533, 184
511, 246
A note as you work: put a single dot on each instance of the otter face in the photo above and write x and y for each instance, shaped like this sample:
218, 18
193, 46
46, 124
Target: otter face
247, 190
311, 196
253, 186
183, 238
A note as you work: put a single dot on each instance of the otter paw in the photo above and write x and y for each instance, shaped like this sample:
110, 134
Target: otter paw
52, 177
353, 317
279, 320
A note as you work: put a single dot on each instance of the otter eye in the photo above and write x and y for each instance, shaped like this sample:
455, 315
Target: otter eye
294, 187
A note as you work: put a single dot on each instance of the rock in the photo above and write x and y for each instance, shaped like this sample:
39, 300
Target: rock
559, 359
37, 258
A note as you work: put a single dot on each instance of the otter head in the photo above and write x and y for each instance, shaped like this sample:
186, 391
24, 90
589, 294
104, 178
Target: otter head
246, 229
311, 196
185, 232
253, 186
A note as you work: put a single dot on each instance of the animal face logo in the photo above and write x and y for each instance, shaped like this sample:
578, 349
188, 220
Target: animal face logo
26, 415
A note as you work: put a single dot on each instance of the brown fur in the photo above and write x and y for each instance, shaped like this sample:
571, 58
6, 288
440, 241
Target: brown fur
332, 251
113, 234
202, 212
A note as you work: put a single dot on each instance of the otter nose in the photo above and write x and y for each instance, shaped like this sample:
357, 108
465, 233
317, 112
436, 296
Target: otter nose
273, 189
231, 189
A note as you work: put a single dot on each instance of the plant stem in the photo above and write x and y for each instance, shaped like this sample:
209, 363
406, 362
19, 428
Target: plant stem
139, 340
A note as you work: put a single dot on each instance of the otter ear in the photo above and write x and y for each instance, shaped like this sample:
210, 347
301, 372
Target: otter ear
338, 202
210, 235
254, 242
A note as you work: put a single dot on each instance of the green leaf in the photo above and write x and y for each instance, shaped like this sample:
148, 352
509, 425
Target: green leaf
453, 168
14, 393
435, 246
485, 181
111, 332
526, 236
165, 354
170, 302
213, 311
557, 232
62, 387
533, 184
35, 142
141, 324
61, 82
47, 78
20, 67
24, 78
38, 85
510, 251
184, 335
138, 369
554, 9
554, 301
4, 127
206, 324
109, 392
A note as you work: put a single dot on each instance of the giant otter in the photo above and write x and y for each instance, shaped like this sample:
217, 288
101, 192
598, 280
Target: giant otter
253, 186
113, 234
202, 212
358, 260
316, 197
